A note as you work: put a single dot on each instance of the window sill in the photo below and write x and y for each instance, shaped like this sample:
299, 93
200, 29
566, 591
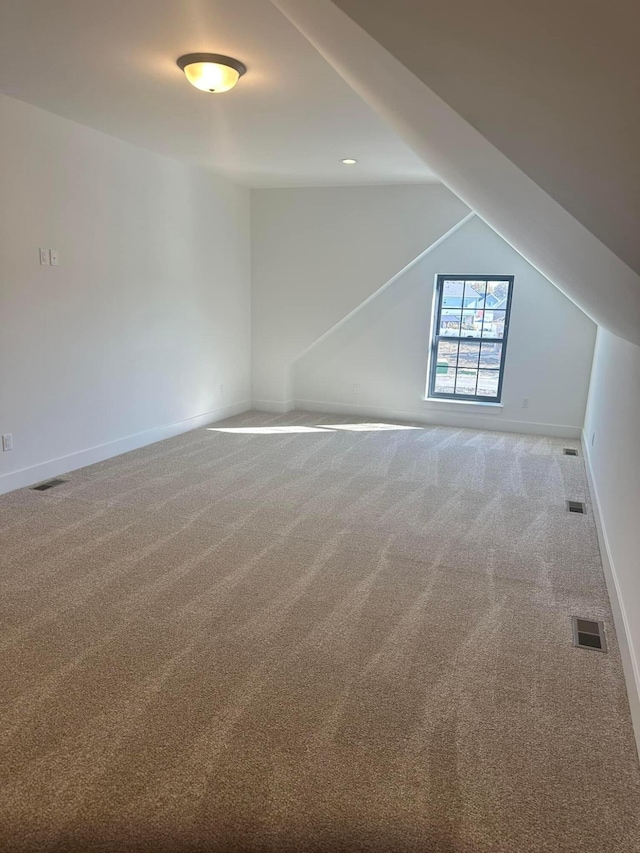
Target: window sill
490, 407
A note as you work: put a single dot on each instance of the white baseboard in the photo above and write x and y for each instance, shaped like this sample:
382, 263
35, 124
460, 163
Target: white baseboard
274, 407
620, 620
442, 418
71, 462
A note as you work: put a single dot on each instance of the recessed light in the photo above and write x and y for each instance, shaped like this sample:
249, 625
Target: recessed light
211, 72
349, 161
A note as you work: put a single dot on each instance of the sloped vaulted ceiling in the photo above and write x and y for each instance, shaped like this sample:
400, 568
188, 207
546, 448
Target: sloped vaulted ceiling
553, 84
527, 111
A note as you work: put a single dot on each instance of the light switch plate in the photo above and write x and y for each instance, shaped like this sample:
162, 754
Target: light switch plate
44, 257
53, 257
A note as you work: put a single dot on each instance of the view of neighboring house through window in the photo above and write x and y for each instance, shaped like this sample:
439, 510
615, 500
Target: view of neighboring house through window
470, 337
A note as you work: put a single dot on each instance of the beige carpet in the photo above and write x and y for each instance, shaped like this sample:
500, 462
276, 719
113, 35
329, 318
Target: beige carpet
326, 639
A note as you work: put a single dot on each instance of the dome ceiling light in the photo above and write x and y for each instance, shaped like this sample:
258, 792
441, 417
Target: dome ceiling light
211, 72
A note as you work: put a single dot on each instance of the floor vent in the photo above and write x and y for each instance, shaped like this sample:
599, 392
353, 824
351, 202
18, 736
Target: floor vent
42, 487
569, 451
588, 634
576, 506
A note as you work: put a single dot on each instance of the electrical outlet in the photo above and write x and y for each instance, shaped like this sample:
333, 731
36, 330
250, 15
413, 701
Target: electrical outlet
53, 257
525, 402
356, 388
7, 442
593, 438
44, 257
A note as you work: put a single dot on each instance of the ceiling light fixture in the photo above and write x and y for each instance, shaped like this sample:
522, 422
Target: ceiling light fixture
349, 161
211, 72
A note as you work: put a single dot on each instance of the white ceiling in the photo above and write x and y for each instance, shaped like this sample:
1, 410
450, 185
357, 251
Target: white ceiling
110, 64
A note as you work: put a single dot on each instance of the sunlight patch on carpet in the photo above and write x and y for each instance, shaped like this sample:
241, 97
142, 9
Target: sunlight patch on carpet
272, 430
369, 427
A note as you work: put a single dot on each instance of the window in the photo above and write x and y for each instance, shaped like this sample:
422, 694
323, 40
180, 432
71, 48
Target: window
470, 329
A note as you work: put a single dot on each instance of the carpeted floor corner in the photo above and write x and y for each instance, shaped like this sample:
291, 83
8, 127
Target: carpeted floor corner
309, 633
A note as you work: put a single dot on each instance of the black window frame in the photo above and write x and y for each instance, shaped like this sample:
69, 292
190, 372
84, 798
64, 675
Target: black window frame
436, 337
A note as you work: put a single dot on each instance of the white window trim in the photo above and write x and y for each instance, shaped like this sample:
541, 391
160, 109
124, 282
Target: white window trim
476, 404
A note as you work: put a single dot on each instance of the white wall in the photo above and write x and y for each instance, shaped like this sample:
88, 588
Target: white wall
148, 312
612, 445
384, 348
318, 253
